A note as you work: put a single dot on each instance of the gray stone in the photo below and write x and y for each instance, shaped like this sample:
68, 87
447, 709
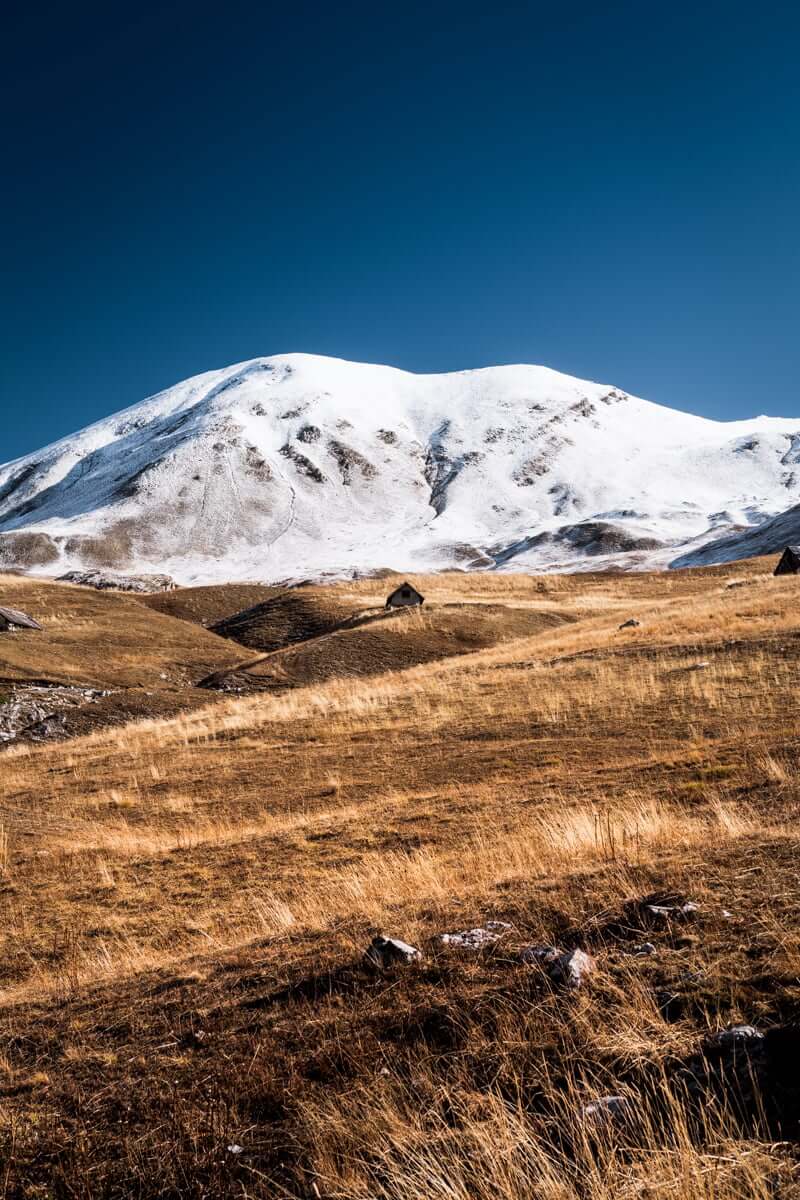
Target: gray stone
736, 1035
570, 968
608, 1110
663, 913
389, 952
478, 938
573, 969
543, 956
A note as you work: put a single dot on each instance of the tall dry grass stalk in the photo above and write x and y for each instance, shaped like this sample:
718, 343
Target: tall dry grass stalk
468, 1147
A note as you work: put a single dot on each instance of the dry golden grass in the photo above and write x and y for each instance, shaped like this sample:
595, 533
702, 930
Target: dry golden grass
102, 639
185, 903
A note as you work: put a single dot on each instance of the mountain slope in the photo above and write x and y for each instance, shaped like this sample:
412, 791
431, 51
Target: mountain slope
297, 466
768, 538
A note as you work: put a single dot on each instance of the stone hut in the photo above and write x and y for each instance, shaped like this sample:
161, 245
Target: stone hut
404, 597
11, 618
789, 562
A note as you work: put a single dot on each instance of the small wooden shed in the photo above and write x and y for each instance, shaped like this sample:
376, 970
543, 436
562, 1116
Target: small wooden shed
11, 618
789, 562
404, 597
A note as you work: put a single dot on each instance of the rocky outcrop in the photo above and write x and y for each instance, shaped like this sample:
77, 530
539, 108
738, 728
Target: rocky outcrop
108, 581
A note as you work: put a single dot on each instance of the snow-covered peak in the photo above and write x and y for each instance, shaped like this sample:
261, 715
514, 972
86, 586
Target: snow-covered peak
297, 465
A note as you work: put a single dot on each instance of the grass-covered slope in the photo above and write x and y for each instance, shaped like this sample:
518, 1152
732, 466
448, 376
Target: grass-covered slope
189, 1014
375, 641
102, 639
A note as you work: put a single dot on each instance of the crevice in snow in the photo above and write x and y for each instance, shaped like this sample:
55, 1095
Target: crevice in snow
440, 468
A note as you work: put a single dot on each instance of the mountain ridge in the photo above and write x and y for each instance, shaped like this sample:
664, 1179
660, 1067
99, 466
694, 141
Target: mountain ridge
297, 466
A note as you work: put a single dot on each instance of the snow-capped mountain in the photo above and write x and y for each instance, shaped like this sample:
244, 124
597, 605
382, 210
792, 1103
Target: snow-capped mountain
297, 466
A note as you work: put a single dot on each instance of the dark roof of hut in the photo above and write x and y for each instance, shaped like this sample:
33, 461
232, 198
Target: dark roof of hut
14, 617
406, 587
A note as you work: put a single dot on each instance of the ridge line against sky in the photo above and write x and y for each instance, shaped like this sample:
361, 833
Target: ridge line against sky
612, 192
199, 396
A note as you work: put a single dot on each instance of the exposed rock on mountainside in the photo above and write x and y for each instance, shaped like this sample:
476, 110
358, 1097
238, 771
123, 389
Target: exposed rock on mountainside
108, 581
295, 466
767, 538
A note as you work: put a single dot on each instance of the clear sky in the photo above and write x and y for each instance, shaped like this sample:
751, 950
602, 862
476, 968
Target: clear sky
611, 189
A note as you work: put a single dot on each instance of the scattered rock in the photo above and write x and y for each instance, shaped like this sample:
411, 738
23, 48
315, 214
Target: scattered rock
235, 1149
662, 914
632, 623
573, 969
51, 726
608, 1110
385, 952
478, 938
543, 956
743, 1036
569, 968
642, 949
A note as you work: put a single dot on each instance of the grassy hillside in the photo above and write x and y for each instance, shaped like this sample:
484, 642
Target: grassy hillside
101, 638
207, 605
366, 642
185, 1010
139, 663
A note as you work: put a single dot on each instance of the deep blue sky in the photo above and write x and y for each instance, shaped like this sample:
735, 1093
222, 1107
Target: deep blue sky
611, 189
